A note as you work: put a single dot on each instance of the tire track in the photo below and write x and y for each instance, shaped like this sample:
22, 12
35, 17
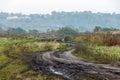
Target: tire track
69, 67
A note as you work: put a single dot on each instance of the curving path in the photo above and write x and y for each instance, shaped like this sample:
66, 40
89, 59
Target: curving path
67, 66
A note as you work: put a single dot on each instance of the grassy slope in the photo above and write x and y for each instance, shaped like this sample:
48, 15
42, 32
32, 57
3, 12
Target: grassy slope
13, 53
14, 62
100, 54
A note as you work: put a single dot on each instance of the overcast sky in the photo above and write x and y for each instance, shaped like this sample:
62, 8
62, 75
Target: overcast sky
46, 6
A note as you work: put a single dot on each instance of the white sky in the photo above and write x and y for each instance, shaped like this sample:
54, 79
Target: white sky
46, 6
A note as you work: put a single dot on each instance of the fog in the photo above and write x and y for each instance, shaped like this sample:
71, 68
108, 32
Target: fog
46, 6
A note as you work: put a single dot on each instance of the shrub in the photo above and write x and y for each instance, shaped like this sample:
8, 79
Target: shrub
103, 38
98, 54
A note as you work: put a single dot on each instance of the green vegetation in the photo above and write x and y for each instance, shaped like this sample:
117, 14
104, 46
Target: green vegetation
66, 31
101, 47
83, 21
98, 29
15, 58
99, 54
16, 50
99, 38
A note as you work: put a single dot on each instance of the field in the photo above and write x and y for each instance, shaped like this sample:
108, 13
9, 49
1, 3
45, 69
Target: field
100, 54
15, 56
99, 47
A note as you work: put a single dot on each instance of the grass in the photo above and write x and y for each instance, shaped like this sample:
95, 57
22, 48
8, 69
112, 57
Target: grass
12, 69
99, 54
100, 38
15, 53
3, 59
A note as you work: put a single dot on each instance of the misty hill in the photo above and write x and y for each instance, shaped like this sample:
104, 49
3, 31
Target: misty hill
84, 21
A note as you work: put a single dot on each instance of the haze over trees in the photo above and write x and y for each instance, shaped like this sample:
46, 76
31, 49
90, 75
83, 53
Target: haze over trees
106, 29
64, 31
83, 21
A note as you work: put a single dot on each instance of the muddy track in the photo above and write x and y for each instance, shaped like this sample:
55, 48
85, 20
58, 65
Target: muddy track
67, 66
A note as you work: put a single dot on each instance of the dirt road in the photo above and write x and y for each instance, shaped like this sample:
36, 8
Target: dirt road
69, 67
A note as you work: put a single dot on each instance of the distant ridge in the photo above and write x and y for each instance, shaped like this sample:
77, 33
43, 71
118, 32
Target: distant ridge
83, 21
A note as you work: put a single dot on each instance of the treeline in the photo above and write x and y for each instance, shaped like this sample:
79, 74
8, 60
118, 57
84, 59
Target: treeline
17, 31
83, 21
106, 29
64, 31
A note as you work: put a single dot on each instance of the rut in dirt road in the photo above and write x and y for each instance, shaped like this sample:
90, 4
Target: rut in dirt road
67, 66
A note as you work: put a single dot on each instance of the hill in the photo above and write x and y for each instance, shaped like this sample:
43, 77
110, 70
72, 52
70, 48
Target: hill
83, 21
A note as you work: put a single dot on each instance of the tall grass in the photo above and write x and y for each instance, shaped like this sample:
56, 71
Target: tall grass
103, 38
99, 54
15, 54
17, 49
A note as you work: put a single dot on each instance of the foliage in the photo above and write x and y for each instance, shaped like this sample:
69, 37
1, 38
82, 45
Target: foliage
63, 47
15, 58
84, 21
99, 54
68, 38
101, 38
97, 28
109, 29
66, 31
33, 32
104, 29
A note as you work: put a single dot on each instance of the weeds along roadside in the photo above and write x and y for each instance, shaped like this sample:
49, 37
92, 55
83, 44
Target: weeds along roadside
100, 48
18, 67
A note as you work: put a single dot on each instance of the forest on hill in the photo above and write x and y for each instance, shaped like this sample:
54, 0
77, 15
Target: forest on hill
83, 21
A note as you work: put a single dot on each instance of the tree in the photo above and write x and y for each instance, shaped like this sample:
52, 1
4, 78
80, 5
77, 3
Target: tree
9, 31
97, 29
109, 29
18, 30
66, 31
33, 32
1, 31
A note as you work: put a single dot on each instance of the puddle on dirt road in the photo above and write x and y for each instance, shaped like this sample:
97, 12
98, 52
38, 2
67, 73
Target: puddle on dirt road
58, 72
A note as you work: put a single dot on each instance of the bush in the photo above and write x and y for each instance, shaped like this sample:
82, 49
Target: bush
103, 38
62, 47
16, 55
98, 54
